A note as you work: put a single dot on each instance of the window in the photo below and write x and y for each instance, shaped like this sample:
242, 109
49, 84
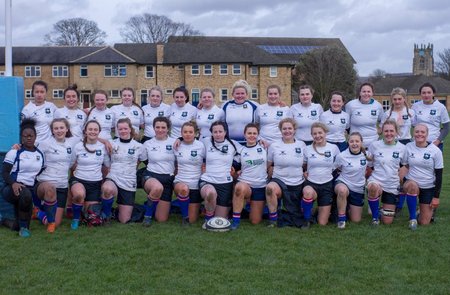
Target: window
195, 70
60, 71
115, 70
149, 72
58, 93
180, 67
223, 94
83, 71
253, 71
224, 69
254, 94
115, 93
386, 103
32, 71
236, 69
169, 91
28, 94
144, 96
195, 95
273, 72
2, 73
414, 100
207, 69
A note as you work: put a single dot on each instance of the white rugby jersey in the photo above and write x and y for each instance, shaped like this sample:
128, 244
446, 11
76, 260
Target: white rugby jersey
237, 116
160, 155
124, 159
305, 117
43, 115
432, 115
189, 163
337, 124
133, 112
353, 170
422, 162
287, 159
205, 118
59, 158
26, 165
404, 122
320, 167
106, 120
179, 116
364, 118
76, 118
219, 162
268, 118
89, 165
150, 113
253, 165
386, 163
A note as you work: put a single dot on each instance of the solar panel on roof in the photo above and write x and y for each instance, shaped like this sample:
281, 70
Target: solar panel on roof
287, 49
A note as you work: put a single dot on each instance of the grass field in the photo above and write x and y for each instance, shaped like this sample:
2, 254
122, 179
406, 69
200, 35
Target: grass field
169, 259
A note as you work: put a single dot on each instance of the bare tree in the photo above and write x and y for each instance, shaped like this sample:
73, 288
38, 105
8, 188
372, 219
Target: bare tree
75, 32
152, 28
443, 66
326, 69
376, 75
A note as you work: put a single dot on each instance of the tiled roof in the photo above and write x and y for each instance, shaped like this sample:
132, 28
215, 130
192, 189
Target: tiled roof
384, 86
46, 55
142, 53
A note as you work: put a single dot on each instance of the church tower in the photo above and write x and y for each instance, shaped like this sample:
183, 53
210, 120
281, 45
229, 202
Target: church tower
423, 62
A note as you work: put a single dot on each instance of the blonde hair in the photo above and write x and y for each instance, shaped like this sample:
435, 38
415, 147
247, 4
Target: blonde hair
242, 84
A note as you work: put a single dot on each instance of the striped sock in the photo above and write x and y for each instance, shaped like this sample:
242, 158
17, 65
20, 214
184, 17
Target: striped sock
342, 217
273, 216
411, 201
49, 209
107, 207
42, 217
307, 205
209, 215
236, 217
184, 205
374, 207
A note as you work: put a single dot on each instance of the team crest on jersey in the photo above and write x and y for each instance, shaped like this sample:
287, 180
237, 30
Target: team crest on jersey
373, 112
69, 150
135, 113
211, 117
343, 120
313, 113
160, 114
327, 154
225, 149
184, 114
426, 156
279, 113
363, 162
108, 117
80, 117
131, 151
395, 155
38, 157
298, 150
244, 106
259, 150
47, 111
405, 117
193, 153
168, 147
432, 112
98, 152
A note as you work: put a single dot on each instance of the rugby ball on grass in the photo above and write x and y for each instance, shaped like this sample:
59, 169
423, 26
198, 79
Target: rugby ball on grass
218, 224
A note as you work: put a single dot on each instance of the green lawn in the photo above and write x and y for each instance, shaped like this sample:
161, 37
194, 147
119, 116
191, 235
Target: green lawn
169, 259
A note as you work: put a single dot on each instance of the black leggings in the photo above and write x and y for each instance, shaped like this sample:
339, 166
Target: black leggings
23, 204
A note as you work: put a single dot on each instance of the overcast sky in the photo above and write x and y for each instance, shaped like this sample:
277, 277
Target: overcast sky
378, 34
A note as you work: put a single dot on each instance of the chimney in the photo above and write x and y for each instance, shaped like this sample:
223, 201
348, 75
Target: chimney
159, 53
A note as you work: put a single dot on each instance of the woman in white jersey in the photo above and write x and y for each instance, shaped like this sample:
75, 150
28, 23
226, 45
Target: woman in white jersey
155, 107
305, 113
388, 156
40, 110
433, 114
319, 161
121, 179
189, 157
424, 178
216, 183
252, 180
285, 171
52, 186
240, 111
159, 175
129, 109
270, 114
181, 111
337, 121
365, 114
208, 114
85, 185
71, 112
20, 168
351, 183
102, 114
